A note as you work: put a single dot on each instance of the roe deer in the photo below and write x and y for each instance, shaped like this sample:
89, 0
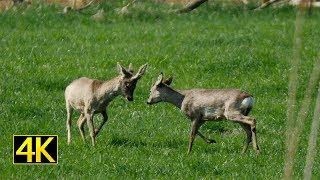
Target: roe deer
202, 105
91, 96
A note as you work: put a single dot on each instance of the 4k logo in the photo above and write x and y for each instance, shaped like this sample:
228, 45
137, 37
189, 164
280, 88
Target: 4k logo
35, 149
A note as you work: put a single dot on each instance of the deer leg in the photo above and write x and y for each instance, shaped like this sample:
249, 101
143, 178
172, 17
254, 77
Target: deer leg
68, 123
80, 124
207, 140
248, 121
254, 135
195, 125
89, 117
249, 136
254, 140
241, 119
105, 118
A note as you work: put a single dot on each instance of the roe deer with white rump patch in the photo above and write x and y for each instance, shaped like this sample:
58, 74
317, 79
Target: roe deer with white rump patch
202, 105
91, 96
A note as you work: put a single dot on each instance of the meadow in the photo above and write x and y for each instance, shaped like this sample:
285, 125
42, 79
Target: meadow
42, 51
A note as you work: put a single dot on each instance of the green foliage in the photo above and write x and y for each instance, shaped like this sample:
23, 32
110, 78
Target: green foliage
214, 47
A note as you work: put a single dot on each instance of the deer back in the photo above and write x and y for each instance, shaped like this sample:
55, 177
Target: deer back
212, 103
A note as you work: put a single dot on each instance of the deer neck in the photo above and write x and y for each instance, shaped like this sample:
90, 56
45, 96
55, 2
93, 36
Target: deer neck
111, 89
174, 97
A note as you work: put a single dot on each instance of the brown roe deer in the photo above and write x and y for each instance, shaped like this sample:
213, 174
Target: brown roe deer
202, 105
91, 96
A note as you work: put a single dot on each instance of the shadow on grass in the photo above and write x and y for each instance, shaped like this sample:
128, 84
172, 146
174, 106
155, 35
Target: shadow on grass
126, 142
138, 143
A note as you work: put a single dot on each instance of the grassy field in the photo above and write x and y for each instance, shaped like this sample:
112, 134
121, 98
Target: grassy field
42, 51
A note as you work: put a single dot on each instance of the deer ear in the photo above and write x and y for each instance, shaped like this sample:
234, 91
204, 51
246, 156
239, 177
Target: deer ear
160, 78
167, 81
141, 72
130, 68
122, 71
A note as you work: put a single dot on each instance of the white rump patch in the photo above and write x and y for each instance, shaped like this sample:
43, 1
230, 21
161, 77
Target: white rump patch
247, 102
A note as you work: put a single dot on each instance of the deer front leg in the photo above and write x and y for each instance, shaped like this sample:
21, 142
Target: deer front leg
207, 140
80, 124
89, 117
194, 129
105, 118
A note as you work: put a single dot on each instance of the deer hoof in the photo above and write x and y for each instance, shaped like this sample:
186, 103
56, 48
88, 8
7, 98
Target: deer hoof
95, 132
257, 151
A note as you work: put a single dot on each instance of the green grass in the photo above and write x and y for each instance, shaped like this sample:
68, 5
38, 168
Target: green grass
214, 47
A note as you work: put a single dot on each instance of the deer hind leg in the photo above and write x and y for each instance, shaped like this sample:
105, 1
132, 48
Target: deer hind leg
247, 129
248, 121
80, 124
105, 118
254, 140
254, 135
68, 123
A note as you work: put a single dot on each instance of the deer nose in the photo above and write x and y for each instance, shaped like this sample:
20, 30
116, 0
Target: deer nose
130, 98
148, 102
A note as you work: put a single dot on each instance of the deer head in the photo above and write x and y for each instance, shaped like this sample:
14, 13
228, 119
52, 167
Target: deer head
159, 90
129, 80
